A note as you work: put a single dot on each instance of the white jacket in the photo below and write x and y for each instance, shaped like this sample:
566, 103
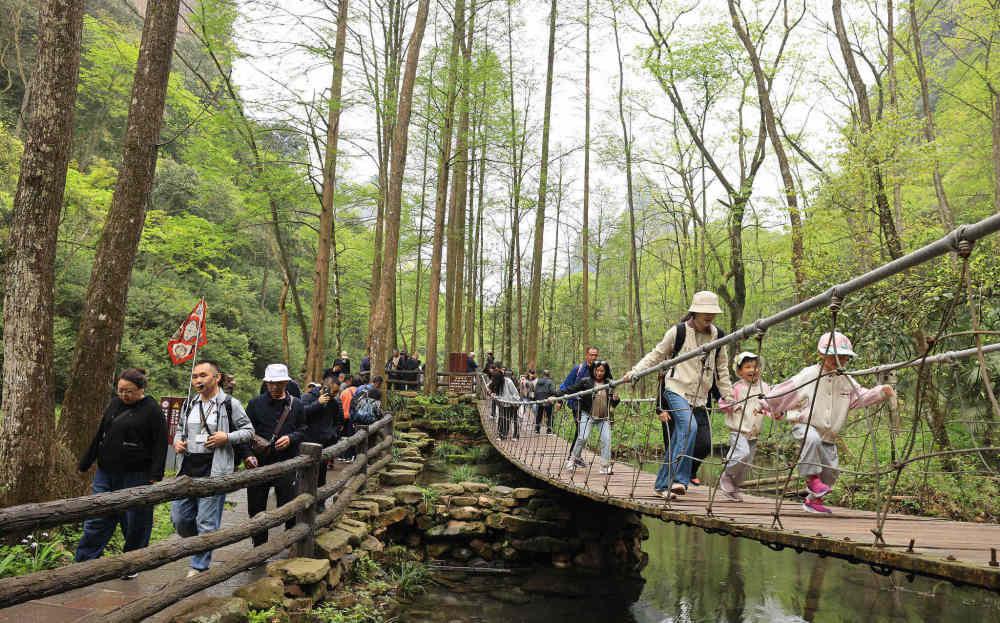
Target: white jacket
836, 394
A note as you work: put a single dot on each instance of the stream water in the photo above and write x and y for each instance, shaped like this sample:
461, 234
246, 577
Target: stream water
696, 577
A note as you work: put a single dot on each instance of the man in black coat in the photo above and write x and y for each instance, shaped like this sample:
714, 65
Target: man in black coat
278, 417
324, 415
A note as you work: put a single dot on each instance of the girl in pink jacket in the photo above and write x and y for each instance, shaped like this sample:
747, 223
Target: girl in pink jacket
831, 398
744, 418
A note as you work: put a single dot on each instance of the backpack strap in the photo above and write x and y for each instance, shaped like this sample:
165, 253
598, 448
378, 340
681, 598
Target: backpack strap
678, 342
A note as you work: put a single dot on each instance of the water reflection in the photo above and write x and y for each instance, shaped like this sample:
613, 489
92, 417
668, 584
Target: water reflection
696, 577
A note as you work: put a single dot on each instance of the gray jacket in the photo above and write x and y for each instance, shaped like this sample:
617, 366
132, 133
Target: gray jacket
223, 457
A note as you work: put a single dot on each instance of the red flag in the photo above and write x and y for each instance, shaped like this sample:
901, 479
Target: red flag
189, 336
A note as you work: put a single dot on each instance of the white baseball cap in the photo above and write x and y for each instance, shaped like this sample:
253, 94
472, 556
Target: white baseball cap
739, 359
276, 372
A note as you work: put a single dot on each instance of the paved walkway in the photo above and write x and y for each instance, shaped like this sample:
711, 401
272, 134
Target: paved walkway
90, 603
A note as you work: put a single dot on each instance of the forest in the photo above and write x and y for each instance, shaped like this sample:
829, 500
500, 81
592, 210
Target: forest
333, 176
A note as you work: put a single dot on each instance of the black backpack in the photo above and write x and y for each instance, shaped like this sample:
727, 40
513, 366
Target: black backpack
713, 393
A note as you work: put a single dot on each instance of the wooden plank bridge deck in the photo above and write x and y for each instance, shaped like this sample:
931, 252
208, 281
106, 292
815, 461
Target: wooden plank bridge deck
953, 550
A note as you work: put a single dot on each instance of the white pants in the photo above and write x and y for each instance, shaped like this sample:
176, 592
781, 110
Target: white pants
741, 453
819, 458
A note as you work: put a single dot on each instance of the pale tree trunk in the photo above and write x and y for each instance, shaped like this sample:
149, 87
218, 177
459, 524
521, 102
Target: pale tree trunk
454, 292
764, 98
316, 347
534, 295
634, 306
890, 49
885, 217
382, 327
283, 307
444, 163
552, 285
420, 235
585, 234
28, 408
943, 208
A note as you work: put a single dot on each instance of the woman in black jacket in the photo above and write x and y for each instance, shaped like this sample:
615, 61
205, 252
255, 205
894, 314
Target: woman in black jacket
130, 448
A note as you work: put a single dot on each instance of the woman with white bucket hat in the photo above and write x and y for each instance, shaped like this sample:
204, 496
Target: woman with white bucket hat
835, 395
687, 385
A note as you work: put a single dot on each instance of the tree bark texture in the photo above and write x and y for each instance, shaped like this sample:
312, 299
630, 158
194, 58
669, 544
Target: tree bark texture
28, 408
444, 164
534, 296
585, 233
316, 347
99, 338
382, 325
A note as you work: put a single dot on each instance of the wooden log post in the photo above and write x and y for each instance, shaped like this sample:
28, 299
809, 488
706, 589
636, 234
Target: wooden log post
308, 476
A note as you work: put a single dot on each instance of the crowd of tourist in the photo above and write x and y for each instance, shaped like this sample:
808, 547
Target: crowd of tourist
816, 401
215, 435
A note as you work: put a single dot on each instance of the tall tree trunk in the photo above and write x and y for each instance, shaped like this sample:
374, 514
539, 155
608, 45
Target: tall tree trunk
585, 233
943, 208
420, 231
444, 162
383, 323
316, 347
455, 293
552, 285
99, 338
882, 208
764, 98
627, 141
536, 258
283, 308
28, 408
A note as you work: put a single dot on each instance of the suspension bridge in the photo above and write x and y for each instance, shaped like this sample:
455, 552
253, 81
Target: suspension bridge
961, 552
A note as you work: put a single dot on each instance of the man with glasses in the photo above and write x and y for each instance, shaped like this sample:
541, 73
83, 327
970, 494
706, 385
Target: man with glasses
209, 428
577, 374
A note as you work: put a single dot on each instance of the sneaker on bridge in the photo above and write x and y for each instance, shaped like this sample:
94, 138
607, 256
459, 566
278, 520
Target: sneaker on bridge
814, 505
817, 487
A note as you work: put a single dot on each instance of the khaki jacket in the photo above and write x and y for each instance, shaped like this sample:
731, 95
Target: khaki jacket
689, 379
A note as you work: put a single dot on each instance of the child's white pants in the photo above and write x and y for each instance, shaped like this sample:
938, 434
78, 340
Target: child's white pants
819, 458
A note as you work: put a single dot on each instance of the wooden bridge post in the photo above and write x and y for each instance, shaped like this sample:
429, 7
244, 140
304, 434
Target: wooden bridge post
307, 484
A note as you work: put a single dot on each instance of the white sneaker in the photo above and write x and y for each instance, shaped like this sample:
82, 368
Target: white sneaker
570, 464
193, 572
607, 470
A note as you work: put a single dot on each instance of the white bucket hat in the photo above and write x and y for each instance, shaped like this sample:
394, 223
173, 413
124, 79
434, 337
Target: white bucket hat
276, 372
705, 302
739, 359
839, 345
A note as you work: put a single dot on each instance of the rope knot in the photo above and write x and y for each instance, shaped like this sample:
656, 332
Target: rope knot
964, 248
836, 301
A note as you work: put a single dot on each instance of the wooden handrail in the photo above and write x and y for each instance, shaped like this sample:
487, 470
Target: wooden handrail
151, 604
27, 517
37, 585
44, 583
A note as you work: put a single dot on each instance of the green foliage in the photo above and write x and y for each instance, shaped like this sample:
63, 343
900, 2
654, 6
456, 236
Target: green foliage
330, 613
271, 615
410, 578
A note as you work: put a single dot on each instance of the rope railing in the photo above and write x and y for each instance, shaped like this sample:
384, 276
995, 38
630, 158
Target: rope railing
948, 243
634, 439
27, 517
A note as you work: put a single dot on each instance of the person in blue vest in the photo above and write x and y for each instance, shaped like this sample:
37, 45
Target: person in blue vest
578, 373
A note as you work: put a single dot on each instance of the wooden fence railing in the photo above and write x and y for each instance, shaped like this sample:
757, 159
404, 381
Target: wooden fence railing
374, 451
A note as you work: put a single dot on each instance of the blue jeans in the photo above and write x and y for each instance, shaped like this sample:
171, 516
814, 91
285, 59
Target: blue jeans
603, 427
195, 516
137, 524
676, 461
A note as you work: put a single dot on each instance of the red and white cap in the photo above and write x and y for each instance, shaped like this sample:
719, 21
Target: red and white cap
838, 345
